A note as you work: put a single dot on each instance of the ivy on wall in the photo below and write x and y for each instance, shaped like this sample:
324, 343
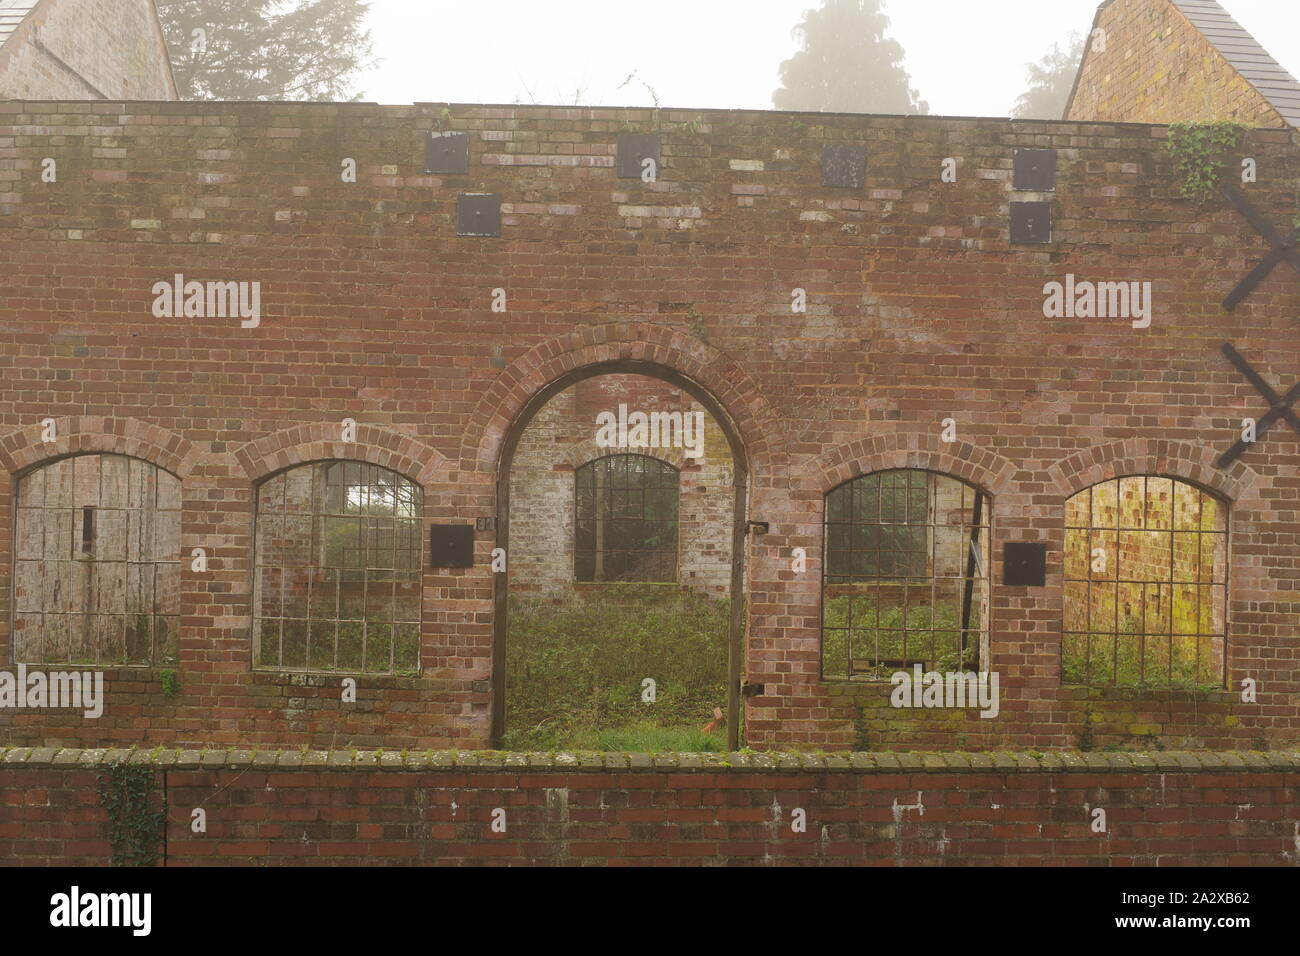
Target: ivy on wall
136, 820
1200, 149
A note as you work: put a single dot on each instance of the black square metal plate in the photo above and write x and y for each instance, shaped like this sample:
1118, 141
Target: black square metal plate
478, 214
446, 153
451, 546
1024, 564
1031, 222
1034, 170
844, 165
633, 148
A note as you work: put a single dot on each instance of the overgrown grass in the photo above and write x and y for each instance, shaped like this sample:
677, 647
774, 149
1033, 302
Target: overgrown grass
648, 738
865, 628
575, 671
1170, 650
374, 646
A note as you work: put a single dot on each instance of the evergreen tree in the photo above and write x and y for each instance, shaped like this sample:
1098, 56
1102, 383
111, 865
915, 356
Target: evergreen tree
266, 49
1050, 82
846, 64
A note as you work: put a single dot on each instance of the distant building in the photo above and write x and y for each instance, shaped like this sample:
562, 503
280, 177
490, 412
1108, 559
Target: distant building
83, 50
1179, 61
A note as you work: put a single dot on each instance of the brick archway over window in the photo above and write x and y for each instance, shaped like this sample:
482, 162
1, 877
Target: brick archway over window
499, 407
1150, 456
23, 449
374, 444
984, 469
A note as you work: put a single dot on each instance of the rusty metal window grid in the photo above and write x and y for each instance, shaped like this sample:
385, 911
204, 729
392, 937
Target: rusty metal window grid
631, 501
1123, 625
905, 575
337, 570
105, 529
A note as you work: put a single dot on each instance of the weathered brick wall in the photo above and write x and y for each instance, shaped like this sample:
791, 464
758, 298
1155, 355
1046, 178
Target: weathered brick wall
562, 438
1002, 809
1158, 68
82, 49
920, 309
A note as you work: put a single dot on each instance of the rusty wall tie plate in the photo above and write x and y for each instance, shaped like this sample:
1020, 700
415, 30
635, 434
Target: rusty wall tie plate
1034, 170
446, 153
1024, 564
633, 150
844, 165
1031, 223
451, 546
478, 214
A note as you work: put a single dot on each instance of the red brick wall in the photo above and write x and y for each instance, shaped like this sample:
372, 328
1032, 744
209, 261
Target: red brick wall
1158, 68
919, 310
107, 48
1168, 809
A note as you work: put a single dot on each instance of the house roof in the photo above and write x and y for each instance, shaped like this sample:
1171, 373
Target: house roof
1230, 40
12, 13
1245, 55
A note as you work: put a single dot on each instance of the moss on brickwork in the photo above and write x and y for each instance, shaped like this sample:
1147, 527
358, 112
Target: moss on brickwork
144, 763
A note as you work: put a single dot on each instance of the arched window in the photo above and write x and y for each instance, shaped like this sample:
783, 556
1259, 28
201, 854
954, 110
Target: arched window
625, 526
1146, 580
337, 564
905, 575
97, 563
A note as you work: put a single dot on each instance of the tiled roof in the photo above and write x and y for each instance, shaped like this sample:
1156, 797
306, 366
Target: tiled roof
12, 13
1245, 55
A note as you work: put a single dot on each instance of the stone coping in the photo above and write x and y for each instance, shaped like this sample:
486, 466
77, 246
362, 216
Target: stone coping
1168, 761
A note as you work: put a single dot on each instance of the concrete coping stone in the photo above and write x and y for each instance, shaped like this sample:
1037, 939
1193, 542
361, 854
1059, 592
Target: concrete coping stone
885, 762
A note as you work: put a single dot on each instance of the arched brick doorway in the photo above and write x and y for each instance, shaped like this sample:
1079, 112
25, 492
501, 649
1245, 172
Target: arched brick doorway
741, 484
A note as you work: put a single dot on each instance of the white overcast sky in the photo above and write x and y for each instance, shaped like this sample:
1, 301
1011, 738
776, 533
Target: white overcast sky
966, 57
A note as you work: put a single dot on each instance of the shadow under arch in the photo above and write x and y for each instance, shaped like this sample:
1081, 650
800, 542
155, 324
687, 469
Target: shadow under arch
505, 461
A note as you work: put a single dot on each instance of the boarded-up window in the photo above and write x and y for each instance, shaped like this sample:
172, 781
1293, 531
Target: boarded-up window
338, 556
626, 527
906, 575
97, 569
1146, 582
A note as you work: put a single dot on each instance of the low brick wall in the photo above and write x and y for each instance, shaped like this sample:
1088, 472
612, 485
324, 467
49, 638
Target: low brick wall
468, 808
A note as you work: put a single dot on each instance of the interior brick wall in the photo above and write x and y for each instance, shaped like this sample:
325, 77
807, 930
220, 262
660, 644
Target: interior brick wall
562, 438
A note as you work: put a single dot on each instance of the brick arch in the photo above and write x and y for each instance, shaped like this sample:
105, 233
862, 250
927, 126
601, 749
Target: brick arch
986, 470
374, 444
1150, 456
713, 370
23, 450
581, 453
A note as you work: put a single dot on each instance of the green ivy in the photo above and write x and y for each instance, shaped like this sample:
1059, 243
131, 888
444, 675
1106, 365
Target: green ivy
1085, 735
171, 684
1200, 150
135, 824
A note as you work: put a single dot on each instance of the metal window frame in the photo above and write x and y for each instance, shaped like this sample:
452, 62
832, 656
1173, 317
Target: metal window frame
319, 516
1143, 635
664, 469
976, 570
